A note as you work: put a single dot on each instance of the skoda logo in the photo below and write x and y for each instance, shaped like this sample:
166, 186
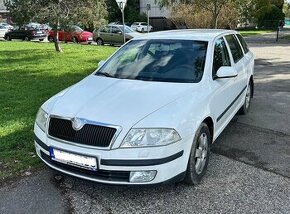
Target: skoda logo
77, 124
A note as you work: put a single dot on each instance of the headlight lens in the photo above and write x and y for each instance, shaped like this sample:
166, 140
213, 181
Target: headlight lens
150, 137
41, 119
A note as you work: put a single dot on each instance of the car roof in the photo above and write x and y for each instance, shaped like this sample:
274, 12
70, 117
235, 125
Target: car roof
188, 34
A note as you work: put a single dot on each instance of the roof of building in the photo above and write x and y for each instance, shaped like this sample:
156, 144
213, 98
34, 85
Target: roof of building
187, 34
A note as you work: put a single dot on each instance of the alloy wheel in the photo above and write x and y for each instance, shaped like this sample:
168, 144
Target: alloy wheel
201, 153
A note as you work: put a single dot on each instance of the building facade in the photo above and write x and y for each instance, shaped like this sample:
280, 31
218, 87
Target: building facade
3, 10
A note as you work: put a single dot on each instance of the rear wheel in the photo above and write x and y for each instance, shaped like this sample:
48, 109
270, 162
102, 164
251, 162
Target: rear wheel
26, 38
41, 40
199, 156
245, 108
75, 40
99, 41
50, 39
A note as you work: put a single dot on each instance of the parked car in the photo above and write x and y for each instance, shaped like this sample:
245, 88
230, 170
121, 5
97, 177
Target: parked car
113, 34
141, 27
3, 31
72, 34
150, 113
25, 33
8, 26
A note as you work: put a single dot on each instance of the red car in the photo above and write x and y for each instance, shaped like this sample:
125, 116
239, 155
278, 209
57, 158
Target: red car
74, 34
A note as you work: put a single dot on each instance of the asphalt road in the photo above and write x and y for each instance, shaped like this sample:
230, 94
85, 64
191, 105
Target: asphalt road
248, 171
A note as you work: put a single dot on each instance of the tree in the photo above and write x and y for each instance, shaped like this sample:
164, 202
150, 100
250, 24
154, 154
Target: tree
212, 7
269, 13
132, 13
58, 13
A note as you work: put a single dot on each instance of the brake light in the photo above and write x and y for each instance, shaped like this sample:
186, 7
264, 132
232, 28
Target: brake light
33, 32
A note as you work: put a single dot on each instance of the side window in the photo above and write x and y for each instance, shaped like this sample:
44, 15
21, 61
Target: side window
105, 29
235, 47
243, 43
116, 30
221, 56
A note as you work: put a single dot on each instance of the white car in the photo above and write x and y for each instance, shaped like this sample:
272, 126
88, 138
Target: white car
141, 27
10, 27
150, 112
3, 31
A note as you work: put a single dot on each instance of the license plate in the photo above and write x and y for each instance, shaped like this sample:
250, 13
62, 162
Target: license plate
90, 39
74, 159
39, 32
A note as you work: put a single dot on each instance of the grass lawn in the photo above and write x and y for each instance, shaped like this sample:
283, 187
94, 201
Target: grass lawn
30, 73
254, 32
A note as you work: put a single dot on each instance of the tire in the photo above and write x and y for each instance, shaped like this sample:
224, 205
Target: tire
142, 30
199, 156
41, 40
75, 40
99, 41
246, 106
50, 39
26, 38
8, 38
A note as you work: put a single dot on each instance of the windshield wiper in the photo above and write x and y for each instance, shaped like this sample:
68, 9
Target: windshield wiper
104, 74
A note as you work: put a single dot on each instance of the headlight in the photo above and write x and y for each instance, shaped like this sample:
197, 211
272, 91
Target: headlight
150, 137
41, 119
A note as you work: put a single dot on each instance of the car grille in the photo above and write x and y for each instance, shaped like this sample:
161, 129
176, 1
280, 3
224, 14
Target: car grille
105, 175
89, 134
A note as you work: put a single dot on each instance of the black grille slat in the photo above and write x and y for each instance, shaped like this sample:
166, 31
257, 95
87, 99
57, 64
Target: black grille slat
93, 135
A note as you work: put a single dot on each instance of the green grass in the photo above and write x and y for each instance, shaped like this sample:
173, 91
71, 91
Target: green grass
254, 32
30, 73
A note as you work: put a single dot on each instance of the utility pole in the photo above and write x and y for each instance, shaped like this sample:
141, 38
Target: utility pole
148, 8
122, 4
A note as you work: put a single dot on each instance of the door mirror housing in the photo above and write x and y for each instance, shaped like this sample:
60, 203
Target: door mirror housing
225, 72
101, 63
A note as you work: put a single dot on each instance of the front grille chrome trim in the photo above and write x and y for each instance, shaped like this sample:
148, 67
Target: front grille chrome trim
90, 122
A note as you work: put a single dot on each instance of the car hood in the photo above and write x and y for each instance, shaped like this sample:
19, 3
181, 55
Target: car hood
116, 101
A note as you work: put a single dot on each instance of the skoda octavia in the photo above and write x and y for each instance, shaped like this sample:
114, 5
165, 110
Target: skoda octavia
150, 112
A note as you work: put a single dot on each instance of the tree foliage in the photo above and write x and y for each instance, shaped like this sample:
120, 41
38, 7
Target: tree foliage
58, 13
131, 12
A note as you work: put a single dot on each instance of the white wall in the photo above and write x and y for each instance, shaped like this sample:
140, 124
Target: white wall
155, 9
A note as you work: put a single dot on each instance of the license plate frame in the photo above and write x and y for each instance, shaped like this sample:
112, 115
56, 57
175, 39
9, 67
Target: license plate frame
74, 159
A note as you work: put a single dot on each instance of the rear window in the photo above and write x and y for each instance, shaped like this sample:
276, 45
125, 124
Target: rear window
243, 43
235, 47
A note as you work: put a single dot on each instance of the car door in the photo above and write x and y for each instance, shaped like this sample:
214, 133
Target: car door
240, 65
224, 90
116, 35
105, 34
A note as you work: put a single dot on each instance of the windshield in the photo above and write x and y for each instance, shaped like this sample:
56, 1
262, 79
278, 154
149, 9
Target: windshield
158, 60
128, 29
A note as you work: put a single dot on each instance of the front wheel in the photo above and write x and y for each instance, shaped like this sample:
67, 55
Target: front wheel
199, 156
99, 41
75, 40
245, 108
8, 38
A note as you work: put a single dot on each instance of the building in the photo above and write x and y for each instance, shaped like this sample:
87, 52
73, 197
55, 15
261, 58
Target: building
159, 17
3, 10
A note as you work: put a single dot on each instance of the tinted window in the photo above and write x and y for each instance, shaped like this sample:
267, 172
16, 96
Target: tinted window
235, 47
243, 43
158, 60
221, 56
116, 30
105, 29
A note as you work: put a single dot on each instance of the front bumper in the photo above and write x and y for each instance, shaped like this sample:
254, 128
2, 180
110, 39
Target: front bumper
114, 167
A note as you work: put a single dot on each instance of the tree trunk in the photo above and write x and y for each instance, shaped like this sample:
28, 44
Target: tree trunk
55, 39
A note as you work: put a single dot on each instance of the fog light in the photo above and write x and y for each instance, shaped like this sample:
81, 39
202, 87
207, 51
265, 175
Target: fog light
142, 176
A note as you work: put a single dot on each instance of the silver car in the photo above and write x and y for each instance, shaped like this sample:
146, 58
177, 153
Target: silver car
113, 34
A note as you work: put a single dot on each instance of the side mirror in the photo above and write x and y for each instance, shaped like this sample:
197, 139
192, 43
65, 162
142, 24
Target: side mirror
226, 72
101, 63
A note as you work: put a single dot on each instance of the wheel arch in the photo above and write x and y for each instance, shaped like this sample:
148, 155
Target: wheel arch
209, 122
252, 82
